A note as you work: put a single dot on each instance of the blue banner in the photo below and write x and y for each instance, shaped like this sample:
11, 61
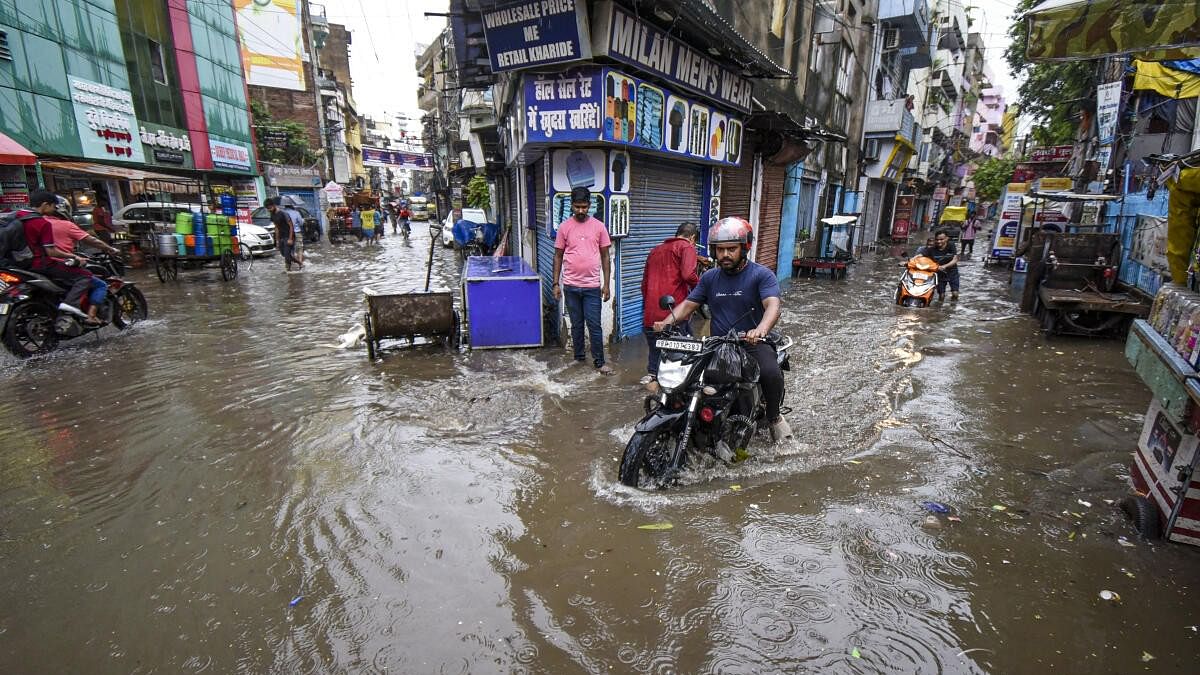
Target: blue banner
395, 158
563, 106
538, 33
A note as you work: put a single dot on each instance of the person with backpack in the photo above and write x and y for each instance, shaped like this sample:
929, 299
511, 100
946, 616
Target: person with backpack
34, 242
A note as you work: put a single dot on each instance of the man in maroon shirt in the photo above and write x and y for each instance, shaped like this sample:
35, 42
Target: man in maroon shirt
670, 270
50, 261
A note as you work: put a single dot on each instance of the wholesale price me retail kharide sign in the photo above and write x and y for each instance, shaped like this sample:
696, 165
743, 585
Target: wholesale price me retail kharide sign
536, 33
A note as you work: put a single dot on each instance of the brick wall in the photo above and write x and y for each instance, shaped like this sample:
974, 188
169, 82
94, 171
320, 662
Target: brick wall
299, 106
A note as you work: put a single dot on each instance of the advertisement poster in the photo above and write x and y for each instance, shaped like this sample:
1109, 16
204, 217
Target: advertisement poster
536, 33
618, 171
270, 37
578, 168
229, 155
396, 159
1150, 243
618, 215
902, 219
13, 190
1163, 441
107, 124
1108, 102
1005, 242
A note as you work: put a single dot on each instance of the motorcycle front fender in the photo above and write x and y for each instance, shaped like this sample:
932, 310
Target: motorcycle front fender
658, 419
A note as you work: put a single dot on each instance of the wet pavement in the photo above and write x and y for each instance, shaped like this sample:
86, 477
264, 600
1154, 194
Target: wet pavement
223, 489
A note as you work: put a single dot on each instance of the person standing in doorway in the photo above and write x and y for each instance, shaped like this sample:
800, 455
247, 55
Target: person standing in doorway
671, 269
581, 274
969, 230
102, 222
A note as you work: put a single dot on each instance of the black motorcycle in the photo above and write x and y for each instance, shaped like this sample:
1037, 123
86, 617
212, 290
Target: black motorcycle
33, 319
709, 401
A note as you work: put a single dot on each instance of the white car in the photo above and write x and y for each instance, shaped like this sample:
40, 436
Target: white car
142, 220
473, 215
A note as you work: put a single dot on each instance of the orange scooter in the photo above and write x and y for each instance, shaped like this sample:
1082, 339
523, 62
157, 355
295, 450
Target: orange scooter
918, 282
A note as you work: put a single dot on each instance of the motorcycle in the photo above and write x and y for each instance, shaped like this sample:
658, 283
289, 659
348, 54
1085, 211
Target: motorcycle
33, 319
698, 408
917, 283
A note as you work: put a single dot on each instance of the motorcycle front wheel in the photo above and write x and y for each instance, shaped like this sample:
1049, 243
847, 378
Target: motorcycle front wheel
131, 307
30, 330
647, 457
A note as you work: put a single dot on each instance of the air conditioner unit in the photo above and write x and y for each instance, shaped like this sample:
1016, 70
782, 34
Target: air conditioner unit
891, 39
871, 149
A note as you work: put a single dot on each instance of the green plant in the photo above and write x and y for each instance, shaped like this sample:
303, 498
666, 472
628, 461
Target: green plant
295, 151
1051, 92
992, 175
477, 193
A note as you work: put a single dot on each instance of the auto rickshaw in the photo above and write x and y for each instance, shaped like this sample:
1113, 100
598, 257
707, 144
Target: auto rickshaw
952, 220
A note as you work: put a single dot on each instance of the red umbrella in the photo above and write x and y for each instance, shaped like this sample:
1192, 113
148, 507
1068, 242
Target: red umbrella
12, 152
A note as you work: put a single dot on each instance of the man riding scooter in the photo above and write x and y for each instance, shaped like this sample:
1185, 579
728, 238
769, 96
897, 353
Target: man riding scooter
742, 296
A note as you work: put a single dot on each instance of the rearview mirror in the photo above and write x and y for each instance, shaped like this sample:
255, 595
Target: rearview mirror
667, 302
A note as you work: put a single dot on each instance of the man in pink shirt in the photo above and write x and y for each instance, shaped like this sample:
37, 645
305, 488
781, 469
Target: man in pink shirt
66, 234
581, 272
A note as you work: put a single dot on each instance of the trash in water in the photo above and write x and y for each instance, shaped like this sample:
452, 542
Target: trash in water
735, 488
1071, 537
985, 332
853, 461
295, 601
656, 526
999, 507
954, 519
1083, 503
855, 653
931, 523
1109, 596
936, 507
1147, 657
952, 341
1126, 543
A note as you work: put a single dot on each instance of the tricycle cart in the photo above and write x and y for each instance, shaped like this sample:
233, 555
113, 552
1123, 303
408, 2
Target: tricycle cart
1071, 285
408, 316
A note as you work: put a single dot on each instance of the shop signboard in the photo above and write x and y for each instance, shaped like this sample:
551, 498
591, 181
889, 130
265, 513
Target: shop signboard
1058, 153
396, 159
13, 190
1150, 243
534, 33
334, 193
608, 106
1005, 242
233, 156
166, 145
293, 176
939, 194
1108, 102
621, 36
107, 124
270, 37
902, 218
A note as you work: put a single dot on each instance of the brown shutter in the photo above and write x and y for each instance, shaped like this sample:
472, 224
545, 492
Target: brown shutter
769, 213
737, 182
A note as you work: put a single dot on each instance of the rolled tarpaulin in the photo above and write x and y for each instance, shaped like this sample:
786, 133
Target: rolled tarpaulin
1181, 222
1169, 82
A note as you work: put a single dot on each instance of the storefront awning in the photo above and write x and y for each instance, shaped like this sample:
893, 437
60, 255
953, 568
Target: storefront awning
783, 123
12, 152
108, 171
1078, 30
698, 19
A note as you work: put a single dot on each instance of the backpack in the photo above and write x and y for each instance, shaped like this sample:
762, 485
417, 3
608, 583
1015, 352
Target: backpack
14, 249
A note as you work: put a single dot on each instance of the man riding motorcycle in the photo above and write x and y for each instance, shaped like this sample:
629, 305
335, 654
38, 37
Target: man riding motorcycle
742, 296
50, 261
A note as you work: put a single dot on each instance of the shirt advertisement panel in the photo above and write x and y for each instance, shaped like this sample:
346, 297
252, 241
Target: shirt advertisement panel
229, 155
270, 36
536, 33
107, 124
622, 36
624, 110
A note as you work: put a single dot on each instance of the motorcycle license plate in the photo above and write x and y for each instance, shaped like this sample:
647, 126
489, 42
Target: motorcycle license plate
4, 308
693, 346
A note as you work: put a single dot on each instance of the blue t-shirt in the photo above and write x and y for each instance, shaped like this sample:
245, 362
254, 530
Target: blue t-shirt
735, 300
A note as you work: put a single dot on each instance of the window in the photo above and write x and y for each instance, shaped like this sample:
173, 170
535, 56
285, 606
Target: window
157, 71
845, 70
5, 52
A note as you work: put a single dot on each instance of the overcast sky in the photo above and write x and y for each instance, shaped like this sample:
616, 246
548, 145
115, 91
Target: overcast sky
382, 59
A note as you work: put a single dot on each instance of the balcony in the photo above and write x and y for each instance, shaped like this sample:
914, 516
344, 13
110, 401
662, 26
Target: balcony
427, 98
891, 117
909, 17
951, 27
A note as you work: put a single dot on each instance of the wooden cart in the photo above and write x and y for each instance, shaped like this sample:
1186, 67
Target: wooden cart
408, 316
1072, 285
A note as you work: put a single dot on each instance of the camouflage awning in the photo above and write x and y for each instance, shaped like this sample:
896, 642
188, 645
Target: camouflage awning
1151, 30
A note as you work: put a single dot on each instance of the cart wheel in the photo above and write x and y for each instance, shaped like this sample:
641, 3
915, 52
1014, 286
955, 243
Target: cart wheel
369, 337
1144, 515
160, 269
1050, 321
229, 266
454, 339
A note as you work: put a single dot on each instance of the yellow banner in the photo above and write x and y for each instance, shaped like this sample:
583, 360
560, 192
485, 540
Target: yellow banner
1166, 81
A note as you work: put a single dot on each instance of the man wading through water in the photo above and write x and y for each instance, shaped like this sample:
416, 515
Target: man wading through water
581, 262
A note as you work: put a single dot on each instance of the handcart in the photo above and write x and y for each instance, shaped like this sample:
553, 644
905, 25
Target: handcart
836, 248
167, 266
952, 220
1072, 285
408, 316
198, 239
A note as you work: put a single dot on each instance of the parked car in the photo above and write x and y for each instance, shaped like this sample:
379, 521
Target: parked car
312, 226
471, 214
142, 220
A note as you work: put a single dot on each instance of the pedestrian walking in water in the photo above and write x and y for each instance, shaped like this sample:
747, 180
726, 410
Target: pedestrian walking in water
369, 226
297, 230
356, 222
581, 273
671, 269
969, 230
285, 235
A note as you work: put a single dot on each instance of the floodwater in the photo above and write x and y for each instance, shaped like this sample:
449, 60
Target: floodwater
223, 489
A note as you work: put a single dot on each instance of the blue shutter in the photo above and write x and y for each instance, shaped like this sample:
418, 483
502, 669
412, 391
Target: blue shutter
662, 194
545, 245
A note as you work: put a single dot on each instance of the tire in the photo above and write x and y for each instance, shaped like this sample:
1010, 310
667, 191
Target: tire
646, 457
129, 307
1144, 515
30, 330
229, 266
453, 341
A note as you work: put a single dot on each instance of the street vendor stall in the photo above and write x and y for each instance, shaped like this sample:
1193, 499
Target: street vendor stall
834, 253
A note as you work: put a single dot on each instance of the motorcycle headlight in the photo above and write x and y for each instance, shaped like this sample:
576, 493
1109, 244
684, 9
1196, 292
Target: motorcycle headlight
671, 374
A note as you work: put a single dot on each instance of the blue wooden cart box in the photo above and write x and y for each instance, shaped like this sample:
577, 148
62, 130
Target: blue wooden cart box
503, 302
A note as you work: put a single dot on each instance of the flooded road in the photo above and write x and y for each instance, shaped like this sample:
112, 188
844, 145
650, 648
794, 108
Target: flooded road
223, 489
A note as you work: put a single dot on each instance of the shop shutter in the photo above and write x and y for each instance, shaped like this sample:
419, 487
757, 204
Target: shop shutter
662, 195
307, 199
545, 245
769, 213
512, 219
737, 184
